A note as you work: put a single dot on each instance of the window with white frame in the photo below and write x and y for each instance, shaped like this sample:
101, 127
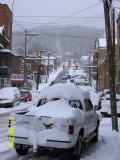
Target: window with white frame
28, 66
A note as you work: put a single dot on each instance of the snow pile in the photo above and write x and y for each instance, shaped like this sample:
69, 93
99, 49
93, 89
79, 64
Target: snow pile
108, 145
66, 91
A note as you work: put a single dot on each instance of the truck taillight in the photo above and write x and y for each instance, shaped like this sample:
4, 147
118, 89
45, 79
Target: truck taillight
9, 123
71, 129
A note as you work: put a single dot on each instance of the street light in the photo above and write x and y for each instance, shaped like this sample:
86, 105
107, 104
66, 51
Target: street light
25, 65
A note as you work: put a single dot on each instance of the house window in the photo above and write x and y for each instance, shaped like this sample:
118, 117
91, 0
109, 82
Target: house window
22, 67
28, 66
8, 30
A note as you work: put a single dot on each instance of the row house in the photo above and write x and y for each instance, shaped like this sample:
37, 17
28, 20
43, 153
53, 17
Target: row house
33, 67
5, 60
17, 76
100, 59
5, 45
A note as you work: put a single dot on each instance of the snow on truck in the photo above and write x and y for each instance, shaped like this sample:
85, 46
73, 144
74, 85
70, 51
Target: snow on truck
64, 118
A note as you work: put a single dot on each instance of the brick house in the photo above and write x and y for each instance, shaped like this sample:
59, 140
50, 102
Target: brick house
6, 21
5, 60
100, 59
17, 77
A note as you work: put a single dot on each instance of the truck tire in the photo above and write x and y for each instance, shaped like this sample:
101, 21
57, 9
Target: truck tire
76, 150
22, 151
95, 139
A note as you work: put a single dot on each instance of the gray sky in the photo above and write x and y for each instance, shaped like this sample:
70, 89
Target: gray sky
32, 13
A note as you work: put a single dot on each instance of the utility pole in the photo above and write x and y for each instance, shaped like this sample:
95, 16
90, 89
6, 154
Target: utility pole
97, 84
90, 68
48, 65
105, 73
38, 72
25, 64
111, 64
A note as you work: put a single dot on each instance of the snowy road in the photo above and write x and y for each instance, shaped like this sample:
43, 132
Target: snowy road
100, 151
3, 129
107, 147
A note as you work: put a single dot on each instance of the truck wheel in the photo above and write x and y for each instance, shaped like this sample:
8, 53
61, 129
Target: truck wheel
22, 151
95, 139
77, 150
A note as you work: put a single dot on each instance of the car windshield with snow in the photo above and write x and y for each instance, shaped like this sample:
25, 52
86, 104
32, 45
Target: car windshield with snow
64, 118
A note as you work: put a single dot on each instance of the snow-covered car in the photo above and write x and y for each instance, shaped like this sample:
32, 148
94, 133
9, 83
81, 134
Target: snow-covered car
9, 97
74, 77
86, 82
25, 95
66, 77
106, 107
79, 82
63, 119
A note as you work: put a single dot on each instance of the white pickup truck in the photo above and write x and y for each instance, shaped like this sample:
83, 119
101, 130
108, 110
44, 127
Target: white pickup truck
64, 118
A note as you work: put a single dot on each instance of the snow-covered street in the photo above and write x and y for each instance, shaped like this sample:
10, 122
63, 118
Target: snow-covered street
106, 148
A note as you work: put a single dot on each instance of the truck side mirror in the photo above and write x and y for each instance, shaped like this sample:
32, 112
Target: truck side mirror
97, 107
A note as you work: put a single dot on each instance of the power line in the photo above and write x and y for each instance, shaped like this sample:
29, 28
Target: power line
68, 26
92, 17
76, 13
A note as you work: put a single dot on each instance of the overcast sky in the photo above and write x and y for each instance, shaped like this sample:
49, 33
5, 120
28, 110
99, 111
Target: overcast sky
32, 13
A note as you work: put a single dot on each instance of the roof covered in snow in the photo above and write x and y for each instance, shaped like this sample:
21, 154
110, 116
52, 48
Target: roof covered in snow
85, 58
102, 42
1, 30
6, 51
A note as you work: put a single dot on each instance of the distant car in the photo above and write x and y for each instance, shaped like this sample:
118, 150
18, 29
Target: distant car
66, 77
25, 95
103, 94
106, 107
79, 82
74, 77
9, 97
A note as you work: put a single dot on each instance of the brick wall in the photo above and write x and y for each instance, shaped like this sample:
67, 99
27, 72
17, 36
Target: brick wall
16, 64
6, 20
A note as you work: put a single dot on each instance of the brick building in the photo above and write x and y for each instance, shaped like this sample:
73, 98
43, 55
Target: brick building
6, 21
5, 60
100, 59
17, 77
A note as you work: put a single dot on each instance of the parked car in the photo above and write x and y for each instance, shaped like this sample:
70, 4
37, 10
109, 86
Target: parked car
25, 95
86, 82
74, 77
79, 81
106, 107
66, 77
9, 97
63, 120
